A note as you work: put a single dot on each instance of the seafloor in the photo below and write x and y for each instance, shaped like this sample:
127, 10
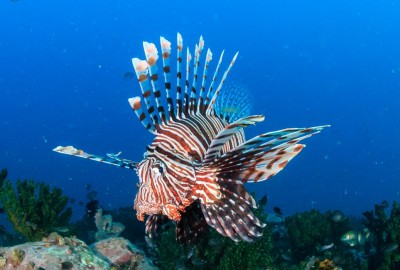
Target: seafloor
42, 236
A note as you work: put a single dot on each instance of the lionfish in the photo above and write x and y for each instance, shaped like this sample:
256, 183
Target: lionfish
194, 171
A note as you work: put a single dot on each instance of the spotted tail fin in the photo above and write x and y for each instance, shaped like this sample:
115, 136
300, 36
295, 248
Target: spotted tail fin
112, 159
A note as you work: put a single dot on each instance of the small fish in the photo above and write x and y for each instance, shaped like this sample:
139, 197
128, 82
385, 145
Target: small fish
149, 242
337, 216
263, 201
199, 156
214, 242
353, 238
190, 253
1, 210
350, 238
325, 247
287, 257
278, 211
62, 229
31, 224
72, 200
391, 247
88, 186
92, 207
129, 75
198, 261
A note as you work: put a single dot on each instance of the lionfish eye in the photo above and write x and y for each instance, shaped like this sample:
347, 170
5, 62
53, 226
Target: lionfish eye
159, 167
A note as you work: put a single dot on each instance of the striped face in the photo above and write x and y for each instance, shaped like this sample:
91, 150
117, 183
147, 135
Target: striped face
165, 178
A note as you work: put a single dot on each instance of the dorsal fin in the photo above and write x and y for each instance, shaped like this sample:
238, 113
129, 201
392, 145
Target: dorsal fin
179, 108
210, 107
210, 89
142, 70
196, 63
166, 52
233, 102
143, 118
193, 100
186, 96
151, 53
203, 82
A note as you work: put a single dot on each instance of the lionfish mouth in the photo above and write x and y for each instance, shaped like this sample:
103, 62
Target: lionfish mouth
143, 209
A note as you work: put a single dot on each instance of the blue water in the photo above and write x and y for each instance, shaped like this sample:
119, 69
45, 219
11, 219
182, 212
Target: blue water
62, 66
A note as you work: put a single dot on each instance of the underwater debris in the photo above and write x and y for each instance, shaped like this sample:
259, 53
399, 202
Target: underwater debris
33, 208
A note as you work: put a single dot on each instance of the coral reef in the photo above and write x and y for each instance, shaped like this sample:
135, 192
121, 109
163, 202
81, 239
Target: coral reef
106, 228
57, 252
214, 251
306, 231
122, 254
307, 240
33, 208
54, 252
133, 228
384, 251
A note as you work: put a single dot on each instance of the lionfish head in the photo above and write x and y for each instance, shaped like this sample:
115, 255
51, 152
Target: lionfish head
148, 200
164, 179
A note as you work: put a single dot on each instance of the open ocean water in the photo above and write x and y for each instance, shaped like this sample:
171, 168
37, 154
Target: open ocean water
64, 81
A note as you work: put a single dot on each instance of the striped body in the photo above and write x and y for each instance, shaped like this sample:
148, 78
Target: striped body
172, 169
194, 171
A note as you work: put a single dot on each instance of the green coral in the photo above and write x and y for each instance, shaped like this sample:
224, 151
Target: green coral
33, 208
242, 255
386, 230
306, 231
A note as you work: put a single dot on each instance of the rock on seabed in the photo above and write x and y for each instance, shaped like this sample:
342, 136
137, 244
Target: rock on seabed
57, 252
